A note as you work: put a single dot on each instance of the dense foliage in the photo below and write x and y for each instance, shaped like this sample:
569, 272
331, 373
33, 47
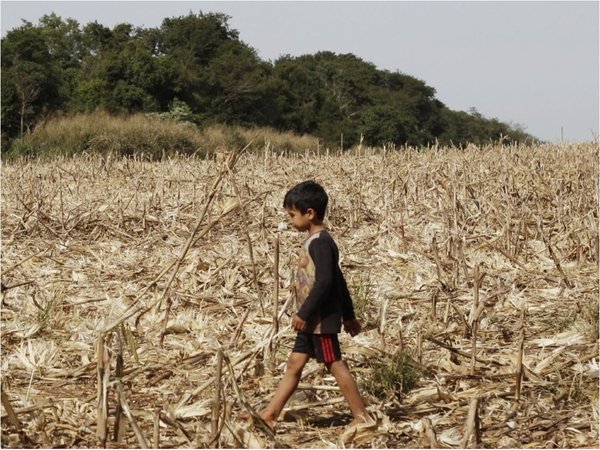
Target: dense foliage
198, 63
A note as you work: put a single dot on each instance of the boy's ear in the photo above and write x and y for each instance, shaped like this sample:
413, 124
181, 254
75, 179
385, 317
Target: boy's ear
311, 213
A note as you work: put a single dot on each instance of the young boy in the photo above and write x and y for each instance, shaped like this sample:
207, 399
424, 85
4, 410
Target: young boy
323, 304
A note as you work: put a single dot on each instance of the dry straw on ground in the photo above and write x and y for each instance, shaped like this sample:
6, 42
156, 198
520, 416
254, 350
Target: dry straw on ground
131, 319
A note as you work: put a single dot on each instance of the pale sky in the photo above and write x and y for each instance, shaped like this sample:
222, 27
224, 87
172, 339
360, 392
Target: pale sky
530, 63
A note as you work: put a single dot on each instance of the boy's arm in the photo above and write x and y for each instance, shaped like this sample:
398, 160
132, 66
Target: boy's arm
351, 325
347, 306
322, 255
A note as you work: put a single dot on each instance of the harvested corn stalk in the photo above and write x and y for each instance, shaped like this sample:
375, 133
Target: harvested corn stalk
101, 242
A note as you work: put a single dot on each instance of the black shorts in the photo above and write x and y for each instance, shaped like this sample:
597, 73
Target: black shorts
324, 347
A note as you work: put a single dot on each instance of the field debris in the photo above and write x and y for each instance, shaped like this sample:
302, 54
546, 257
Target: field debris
146, 303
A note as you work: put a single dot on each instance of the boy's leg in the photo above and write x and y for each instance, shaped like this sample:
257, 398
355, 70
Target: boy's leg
349, 389
286, 388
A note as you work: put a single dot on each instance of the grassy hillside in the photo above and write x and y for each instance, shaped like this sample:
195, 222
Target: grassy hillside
146, 136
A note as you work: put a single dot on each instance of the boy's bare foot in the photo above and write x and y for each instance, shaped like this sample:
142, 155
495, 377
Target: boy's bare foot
362, 420
355, 429
270, 421
267, 419
359, 422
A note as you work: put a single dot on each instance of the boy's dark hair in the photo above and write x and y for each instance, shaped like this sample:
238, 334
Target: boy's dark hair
308, 194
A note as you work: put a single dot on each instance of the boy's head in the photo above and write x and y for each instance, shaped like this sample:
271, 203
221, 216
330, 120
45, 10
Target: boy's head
307, 195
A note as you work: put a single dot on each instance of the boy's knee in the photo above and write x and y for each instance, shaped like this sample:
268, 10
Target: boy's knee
330, 366
335, 365
296, 363
339, 370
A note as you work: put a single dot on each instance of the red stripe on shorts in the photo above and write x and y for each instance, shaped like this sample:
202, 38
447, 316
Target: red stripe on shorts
332, 349
327, 346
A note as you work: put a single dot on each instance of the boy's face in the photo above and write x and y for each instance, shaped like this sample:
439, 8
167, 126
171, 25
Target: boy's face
301, 221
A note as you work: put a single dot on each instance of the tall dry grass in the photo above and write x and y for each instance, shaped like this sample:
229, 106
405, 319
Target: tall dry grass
147, 136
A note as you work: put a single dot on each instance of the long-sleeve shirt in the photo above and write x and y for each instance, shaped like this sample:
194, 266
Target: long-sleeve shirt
321, 291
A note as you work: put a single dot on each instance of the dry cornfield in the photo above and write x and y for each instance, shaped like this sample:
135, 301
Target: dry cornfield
147, 303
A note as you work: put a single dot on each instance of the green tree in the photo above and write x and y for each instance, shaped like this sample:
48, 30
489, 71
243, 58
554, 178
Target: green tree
381, 125
121, 72
235, 86
197, 60
30, 82
211, 70
299, 95
328, 95
95, 39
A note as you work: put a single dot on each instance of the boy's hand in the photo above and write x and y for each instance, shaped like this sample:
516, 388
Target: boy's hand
297, 323
352, 327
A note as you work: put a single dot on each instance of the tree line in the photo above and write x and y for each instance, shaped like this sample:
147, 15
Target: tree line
197, 64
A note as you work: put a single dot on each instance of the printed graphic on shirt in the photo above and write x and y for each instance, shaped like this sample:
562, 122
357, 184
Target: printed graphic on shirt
305, 276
